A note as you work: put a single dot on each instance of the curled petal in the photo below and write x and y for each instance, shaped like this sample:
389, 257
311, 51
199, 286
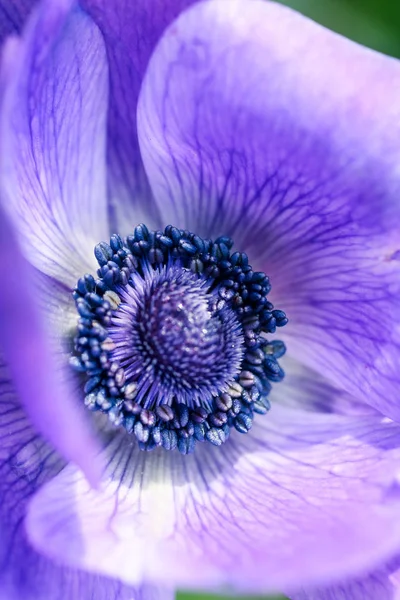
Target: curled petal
257, 123
24, 341
309, 496
53, 128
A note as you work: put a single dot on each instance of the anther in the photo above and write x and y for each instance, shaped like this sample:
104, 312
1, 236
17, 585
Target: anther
173, 338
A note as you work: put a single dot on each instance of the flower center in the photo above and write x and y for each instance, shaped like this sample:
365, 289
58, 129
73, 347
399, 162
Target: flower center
172, 337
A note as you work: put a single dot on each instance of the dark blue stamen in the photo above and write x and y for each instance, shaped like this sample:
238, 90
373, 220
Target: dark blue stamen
172, 338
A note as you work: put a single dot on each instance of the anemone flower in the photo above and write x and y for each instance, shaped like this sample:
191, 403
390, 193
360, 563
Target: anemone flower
176, 177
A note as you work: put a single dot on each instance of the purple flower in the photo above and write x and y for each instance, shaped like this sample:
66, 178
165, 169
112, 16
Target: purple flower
236, 120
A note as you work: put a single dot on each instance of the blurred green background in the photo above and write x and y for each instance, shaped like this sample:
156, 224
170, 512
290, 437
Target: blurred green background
374, 23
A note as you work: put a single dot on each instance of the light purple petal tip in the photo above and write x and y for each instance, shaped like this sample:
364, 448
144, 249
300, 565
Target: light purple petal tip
257, 123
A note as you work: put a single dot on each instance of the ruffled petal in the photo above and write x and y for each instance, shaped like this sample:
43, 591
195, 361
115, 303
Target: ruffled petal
24, 341
303, 498
131, 31
53, 139
257, 123
26, 462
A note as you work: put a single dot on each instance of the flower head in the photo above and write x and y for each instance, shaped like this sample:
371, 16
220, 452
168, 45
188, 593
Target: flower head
230, 120
173, 338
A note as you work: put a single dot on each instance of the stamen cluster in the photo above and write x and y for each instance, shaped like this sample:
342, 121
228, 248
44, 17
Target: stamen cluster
172, 338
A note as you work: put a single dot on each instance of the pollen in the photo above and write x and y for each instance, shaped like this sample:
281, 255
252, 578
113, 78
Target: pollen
172, 338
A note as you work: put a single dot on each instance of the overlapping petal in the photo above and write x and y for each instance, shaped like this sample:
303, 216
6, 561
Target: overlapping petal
257, 123
26, 462
301, 172
306, 497
131, 31
53, 140
24, 340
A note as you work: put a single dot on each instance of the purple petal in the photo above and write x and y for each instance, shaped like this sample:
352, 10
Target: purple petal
372, 586
53, 126
310, 497
13, 16
257, 123
131, 31
311, 394
394, 577
26, 462
24, 341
